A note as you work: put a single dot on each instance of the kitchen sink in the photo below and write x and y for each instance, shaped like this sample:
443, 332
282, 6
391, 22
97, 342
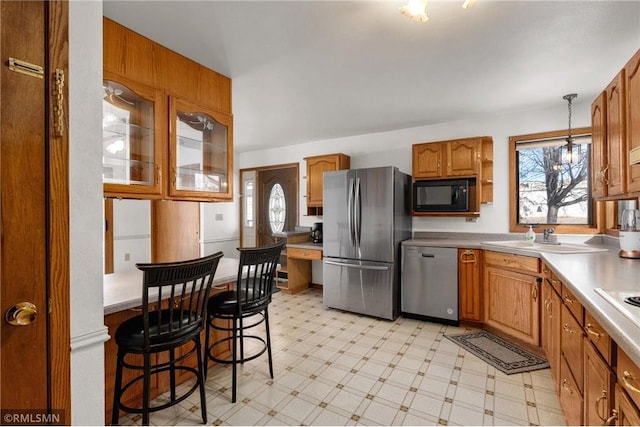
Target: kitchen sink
558, 248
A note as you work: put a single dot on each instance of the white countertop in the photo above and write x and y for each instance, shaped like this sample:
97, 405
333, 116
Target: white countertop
123, 291
306, 245
582, 273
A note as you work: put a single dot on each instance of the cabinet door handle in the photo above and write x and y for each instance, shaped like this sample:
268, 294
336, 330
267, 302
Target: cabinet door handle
568, 300
626, 378
468, 253
602, 398
567, 328
565, 385
590, 331
534, 292
612, 418
605, 175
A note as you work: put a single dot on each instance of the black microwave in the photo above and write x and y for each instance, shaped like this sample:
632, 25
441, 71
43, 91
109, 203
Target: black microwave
442, 195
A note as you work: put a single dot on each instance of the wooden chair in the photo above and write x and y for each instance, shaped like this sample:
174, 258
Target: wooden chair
164, 326
249, 301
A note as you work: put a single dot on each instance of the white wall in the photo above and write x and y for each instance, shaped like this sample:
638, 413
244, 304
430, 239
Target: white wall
394, 148
131, 233
86, 215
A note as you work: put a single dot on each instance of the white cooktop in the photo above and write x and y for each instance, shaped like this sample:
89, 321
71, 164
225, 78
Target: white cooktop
616, 298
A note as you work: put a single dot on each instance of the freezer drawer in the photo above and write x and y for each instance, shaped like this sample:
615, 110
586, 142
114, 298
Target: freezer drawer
430, 282
360, 286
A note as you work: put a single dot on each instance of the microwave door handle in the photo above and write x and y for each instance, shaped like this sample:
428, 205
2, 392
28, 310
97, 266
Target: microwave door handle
455, 196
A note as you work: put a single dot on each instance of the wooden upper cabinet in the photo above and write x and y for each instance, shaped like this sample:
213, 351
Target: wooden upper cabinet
167, 123
446, 158
599, 147
616, 131
316, 167
462, 157
427, 160
632, 72
200, 150
132, 137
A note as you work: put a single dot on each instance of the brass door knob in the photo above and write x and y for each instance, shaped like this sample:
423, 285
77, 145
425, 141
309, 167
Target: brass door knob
21, 314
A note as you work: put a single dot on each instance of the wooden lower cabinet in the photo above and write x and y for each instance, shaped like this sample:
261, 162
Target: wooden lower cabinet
299, 269
512, 303
627, 414
598, 387
572, 345
159, 383
570, 396
469, 284
550, 329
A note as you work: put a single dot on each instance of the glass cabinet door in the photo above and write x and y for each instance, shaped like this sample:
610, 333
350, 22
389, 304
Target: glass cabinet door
130, 138
200, 152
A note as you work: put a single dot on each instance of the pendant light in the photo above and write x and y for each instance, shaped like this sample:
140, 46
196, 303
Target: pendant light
573, 152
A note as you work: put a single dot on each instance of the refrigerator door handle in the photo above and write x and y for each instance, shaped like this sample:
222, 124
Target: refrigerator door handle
357, 212
350, 212
359, 267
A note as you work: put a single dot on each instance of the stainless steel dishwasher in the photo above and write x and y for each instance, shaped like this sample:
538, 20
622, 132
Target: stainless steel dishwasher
429, 284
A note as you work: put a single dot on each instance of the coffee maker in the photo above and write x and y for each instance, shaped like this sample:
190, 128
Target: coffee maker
316, 232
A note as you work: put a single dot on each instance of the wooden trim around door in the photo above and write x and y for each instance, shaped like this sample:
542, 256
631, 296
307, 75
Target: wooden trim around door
59, 334
263, 168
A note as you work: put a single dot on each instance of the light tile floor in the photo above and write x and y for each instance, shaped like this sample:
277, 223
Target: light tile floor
337, 368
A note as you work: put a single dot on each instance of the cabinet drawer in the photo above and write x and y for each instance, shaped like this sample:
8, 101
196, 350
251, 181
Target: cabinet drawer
629, 376
523, 264
571, 344
304, 253
573, 304
551, 277
599, 337
570, 396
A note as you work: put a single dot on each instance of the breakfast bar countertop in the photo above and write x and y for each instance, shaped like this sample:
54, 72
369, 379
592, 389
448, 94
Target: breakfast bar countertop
123, 291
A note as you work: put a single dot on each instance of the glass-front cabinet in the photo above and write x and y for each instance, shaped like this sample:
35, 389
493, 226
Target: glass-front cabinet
131, 141
200, 150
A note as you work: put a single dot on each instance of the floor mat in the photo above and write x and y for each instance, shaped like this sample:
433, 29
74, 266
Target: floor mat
501, 354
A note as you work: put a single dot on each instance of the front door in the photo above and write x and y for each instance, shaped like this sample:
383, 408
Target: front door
277, 202
30, 306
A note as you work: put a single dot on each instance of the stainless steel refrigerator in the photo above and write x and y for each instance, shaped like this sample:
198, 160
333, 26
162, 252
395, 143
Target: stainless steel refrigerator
366, 216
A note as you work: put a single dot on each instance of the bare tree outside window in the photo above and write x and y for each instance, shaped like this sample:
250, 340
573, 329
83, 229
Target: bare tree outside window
551, 190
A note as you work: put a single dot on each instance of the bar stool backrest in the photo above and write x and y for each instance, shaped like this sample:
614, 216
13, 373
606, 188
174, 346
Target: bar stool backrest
256, 275
187, 285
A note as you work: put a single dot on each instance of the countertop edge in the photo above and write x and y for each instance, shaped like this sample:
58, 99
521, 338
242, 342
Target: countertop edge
619, 328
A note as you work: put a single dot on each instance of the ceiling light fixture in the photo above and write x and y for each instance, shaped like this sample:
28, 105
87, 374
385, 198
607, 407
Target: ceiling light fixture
468, 3
417, 9
573, 152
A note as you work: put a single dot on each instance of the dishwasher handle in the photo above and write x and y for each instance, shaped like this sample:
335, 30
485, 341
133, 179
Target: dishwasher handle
428, 255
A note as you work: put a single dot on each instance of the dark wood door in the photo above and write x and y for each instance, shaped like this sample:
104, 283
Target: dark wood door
287, 180
23, 193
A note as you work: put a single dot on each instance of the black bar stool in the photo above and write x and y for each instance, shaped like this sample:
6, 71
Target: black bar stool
165, 326
250, 298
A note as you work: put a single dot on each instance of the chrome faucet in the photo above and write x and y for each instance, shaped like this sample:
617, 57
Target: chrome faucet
547, 234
